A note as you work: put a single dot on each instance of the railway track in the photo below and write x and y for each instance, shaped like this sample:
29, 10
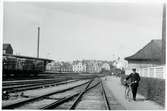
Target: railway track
107, 104
30, 86
75, 101
18, 82
90, 95
92, 99
45, 95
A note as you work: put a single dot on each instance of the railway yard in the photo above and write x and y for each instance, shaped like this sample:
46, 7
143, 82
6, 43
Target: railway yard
71, 56
82, 93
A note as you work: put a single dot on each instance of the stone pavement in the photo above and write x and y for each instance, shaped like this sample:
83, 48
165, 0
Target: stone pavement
114, 85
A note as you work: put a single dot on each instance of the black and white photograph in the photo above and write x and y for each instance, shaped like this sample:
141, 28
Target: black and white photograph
83, 55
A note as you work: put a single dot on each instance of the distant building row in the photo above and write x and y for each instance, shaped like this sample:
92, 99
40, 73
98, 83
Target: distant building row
85, 66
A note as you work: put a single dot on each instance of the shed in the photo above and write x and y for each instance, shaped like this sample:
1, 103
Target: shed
7, 48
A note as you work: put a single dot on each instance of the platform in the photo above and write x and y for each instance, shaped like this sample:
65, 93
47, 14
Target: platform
114, 85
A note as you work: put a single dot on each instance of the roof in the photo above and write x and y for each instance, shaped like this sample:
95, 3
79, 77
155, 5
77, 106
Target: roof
66, 65
152, 51
6, 45
19, 56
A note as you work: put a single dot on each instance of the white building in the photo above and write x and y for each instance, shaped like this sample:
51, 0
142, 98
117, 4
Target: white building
49, 66
78, 66
121, 64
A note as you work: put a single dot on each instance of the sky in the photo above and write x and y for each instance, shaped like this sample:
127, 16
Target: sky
72, 30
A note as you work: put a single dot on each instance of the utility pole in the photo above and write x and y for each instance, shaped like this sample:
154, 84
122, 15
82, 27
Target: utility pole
38, 42
164, 34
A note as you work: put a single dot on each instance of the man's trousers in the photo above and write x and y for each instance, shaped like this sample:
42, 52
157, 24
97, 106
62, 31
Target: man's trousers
134, 90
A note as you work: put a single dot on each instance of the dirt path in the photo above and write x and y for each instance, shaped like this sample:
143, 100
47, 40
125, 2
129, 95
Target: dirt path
114, 85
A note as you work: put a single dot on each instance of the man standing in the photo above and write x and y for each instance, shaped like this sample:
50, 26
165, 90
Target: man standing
134, 78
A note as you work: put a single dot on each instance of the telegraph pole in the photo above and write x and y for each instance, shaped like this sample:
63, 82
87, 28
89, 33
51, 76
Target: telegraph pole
164, 34
38, 42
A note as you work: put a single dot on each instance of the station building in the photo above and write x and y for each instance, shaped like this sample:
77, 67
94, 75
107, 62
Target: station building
148, 61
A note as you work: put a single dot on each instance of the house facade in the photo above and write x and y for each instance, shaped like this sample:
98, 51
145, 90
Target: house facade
93, 67
49, 66
59, 67
54, 67
66, 67
78, 66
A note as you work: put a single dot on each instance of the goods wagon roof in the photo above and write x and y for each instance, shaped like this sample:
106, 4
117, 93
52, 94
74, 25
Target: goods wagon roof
19, 56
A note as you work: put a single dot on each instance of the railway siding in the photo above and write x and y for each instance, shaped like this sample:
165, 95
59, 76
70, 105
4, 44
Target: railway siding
17, 88
92, 100
41, 92
79, 95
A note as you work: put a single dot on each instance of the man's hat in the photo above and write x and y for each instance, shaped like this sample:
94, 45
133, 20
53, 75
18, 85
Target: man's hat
134, 69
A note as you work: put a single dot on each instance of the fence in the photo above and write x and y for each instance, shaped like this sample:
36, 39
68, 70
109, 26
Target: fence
155, 72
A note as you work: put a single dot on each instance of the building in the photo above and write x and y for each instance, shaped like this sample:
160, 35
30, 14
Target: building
148, 61
93, 67
66, 67
7, 49
120, 64
98, 67
78, 66
59, 67
54, 67
49, 66
106, 66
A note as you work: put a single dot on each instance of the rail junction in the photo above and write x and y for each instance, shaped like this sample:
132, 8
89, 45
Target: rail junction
68, 95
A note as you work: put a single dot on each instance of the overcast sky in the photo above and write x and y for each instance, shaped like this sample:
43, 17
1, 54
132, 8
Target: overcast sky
81, 30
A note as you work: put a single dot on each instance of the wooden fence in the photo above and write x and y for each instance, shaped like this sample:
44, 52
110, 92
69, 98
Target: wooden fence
155, 72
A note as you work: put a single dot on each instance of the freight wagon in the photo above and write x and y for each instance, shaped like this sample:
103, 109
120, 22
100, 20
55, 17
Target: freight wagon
14, 65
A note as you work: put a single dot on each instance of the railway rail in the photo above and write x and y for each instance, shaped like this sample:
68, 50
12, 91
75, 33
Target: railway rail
8, 83
105, 97
71, 98
30, 86
25, 101
95, 95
